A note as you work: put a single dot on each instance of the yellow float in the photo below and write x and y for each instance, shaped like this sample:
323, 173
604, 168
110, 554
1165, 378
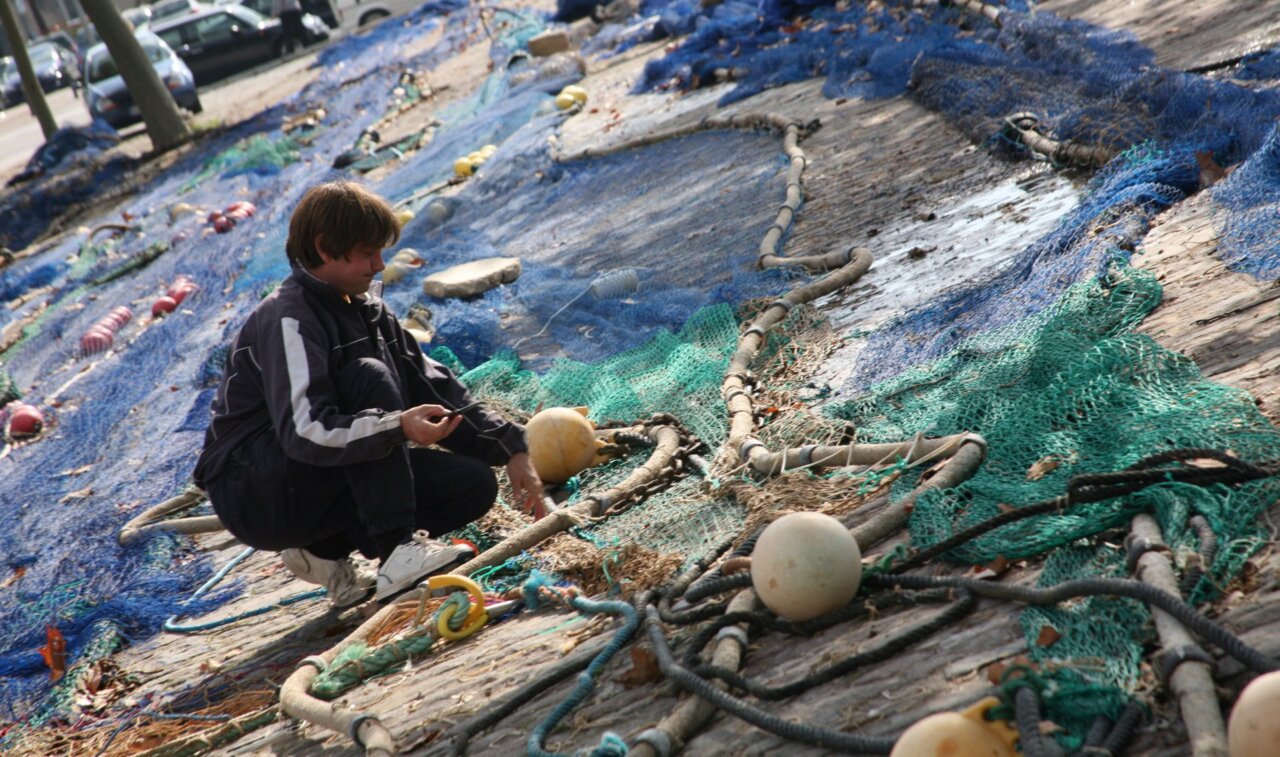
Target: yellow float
562, 443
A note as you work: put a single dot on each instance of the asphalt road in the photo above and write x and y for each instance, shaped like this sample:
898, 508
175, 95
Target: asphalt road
228, 101
20, 133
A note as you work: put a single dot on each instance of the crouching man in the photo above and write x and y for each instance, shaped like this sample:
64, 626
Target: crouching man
308, 452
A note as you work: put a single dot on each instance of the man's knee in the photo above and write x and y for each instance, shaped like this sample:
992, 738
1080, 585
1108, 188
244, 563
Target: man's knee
368, 382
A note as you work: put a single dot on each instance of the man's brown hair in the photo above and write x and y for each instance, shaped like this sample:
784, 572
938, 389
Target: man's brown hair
342, 214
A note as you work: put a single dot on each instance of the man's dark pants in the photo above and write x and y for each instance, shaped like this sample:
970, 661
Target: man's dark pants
270, 501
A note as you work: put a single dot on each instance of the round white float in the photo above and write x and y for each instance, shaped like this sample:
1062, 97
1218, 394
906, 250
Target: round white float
805, 565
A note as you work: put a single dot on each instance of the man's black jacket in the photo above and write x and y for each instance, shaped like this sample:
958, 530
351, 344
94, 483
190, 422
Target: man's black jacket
279, 376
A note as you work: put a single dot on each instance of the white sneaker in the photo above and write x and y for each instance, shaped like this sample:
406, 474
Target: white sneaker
345, 584
412, 562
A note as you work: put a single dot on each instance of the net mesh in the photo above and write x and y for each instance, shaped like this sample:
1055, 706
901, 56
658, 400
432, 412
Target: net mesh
124, 427
1073, 390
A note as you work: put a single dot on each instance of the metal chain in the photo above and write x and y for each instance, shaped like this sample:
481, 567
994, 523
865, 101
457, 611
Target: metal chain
677, 469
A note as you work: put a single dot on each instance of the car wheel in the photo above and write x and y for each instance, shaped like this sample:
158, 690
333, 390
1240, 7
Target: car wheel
373, 16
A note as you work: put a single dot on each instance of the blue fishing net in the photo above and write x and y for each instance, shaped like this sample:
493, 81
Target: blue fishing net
125, 427
600, 236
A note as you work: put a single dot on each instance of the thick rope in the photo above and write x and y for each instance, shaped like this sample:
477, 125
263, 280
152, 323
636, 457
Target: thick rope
1192, 680
805, 734
537, 589
152, 519
885, 650
1093, 587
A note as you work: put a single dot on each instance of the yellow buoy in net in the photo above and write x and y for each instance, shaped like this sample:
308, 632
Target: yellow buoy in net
578, 93
805, 565
463, 167
959, 734
565, 101
408, 257
476, 158
393, 272
403, 216
488, 150
562, 443
1254, 729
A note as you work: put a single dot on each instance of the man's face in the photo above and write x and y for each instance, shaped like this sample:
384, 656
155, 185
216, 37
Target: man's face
353, 274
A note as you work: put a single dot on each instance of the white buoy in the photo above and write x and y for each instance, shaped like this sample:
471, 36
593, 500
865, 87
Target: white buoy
439, 211
805, 565
959, 734
1254, 727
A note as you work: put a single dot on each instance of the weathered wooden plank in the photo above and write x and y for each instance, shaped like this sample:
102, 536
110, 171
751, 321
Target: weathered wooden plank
1183, 35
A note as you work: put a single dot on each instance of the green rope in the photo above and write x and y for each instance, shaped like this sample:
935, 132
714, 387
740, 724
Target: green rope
357, 664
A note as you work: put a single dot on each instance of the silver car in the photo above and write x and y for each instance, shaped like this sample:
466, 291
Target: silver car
109, 99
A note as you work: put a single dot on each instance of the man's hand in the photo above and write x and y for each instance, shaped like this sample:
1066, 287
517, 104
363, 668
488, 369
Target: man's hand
426, 425
528, 487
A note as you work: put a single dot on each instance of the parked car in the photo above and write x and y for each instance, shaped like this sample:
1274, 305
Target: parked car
371, 11
366, 11
325, 10
55, 68
168, 9
68, 43
218, 42
139, 17
109, 99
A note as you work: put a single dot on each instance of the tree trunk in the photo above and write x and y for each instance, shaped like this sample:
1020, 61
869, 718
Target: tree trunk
159, 112
30, 85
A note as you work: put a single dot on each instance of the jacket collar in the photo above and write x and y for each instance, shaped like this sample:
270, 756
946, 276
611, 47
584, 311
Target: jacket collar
308, 281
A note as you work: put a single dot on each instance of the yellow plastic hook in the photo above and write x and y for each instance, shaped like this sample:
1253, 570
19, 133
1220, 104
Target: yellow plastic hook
476, 617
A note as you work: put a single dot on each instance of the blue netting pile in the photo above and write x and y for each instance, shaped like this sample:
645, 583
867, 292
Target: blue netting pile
1084, 84
70, 144
125, 433
639, 212
29, 208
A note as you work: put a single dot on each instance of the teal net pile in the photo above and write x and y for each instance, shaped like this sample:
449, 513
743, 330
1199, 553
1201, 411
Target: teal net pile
678, 373
1074, 390
674, 373
258, 155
